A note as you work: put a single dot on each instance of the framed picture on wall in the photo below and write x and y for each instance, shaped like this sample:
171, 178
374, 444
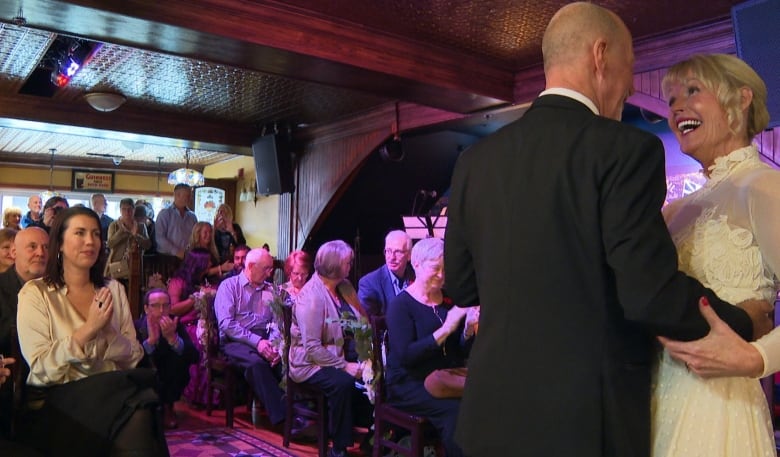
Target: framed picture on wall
92, 181
207, 200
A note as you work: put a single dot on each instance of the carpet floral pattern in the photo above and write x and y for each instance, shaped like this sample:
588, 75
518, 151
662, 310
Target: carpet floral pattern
220, 442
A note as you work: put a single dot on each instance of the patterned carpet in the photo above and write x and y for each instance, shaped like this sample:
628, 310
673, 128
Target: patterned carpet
220, 442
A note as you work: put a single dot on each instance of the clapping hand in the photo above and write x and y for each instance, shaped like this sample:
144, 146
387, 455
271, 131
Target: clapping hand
167, 328
153, 327
454, 316
472, 320
100, 310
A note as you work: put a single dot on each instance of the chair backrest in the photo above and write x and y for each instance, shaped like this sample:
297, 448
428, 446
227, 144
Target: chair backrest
379, 340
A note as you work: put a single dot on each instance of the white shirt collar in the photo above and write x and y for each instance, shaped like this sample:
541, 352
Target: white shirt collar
572, 94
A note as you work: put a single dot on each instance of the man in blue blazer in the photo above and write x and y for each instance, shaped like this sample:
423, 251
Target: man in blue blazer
555, 228
378, 288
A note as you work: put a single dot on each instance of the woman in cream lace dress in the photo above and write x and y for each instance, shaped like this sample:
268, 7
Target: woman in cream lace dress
728, 237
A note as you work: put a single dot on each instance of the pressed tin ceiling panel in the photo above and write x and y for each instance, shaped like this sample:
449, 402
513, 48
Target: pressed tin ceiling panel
160, 86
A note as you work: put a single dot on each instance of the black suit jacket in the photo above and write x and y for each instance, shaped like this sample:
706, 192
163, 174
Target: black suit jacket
555, 229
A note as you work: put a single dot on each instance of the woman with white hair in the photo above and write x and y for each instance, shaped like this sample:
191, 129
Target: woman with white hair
318, 353
427, 334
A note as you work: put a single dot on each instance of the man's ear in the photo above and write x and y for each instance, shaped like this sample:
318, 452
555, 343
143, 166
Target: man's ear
599, 51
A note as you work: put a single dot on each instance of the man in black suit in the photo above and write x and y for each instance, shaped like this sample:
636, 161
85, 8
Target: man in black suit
555, 229
377, 288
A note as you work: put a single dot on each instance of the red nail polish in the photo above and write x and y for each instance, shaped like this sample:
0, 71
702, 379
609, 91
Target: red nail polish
705, 301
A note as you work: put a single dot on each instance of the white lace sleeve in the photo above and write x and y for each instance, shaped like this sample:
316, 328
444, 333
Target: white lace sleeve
763, 199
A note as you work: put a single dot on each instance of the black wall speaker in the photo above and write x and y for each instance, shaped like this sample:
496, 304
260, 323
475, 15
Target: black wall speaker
273, 164
758, 44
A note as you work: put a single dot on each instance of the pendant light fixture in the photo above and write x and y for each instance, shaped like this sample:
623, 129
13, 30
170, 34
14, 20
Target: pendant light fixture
186, 175
50, 193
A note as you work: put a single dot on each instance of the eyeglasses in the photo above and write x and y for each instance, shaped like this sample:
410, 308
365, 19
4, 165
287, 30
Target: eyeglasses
395, 252
159, 305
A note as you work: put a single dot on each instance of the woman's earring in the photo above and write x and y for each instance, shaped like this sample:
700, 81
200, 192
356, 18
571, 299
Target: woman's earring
59, 256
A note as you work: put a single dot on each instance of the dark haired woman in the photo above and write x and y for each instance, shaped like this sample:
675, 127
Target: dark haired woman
77, 334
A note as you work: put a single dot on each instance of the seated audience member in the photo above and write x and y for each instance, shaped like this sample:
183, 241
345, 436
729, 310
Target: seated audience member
12, 218
239, 257
77, 334
34, 205
426, 335
317, 353
203, 237
167, 349
31, 245
186, 280
7, 251
297, 269
243, 315
144, 214
123, 233
227, 234
53, 206
378, 288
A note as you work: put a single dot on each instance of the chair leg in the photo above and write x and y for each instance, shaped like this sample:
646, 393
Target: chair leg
209, 391
418, 444
379, 433
288, 420
228, 396
322, 435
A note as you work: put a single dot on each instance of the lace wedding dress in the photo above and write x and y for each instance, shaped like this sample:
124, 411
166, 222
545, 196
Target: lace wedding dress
718, 231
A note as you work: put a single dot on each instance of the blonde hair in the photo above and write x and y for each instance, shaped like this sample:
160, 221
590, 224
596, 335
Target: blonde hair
195, 237
725, 75
7, 213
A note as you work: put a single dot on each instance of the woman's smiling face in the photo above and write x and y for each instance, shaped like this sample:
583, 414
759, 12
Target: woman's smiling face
700, 122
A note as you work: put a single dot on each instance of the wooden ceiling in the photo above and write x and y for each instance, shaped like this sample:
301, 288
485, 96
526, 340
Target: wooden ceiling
211, 75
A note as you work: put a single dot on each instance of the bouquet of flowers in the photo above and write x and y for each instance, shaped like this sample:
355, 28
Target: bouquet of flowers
363, 334
280, 300
204, 304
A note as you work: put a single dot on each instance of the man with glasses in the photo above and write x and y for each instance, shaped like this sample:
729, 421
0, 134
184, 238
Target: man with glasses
243, 314
167, 348
378, 288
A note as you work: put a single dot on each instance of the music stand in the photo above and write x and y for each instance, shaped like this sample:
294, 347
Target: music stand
419, 227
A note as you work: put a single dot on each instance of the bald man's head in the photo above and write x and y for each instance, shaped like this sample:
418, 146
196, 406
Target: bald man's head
32, 246
588, 49
573, 30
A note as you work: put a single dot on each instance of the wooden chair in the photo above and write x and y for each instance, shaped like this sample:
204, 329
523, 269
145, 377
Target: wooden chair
387, 417
299, 395
220, 373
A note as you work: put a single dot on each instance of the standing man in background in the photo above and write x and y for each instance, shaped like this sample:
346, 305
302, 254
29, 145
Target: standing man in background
99, 205
34, 203
573, 265
174, 224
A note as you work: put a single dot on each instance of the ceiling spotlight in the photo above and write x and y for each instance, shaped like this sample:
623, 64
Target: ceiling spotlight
105, 101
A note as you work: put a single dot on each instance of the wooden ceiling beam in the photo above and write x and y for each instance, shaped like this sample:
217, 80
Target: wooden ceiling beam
167, 129
272, 37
